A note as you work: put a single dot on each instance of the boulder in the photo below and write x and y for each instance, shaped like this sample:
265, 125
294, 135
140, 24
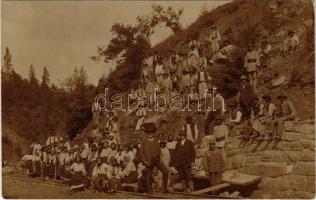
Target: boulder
289, 146
307, 144
304, 168
308, 23
252, 159
274, 156
267, 169
291, 136
288, 182
290, 194
305, 155
310, 137
236, 161
310, 184
307, 129
233, 152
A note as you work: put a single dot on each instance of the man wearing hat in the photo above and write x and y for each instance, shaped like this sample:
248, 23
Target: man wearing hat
184, 157
114, 130
287, 111
203, 79
166, 86
268, 109
214, 38
165, 153
159, 70
265, 49
150, 154
213, 163
251, 63
245, 95
290, 43
287, 108
190, 129
255, 108
235, 114
267, 115
221, 136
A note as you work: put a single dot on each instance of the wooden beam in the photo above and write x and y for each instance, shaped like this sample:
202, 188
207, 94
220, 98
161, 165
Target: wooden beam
211, 189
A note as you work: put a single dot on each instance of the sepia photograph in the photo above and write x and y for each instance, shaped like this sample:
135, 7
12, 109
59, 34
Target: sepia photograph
108, 99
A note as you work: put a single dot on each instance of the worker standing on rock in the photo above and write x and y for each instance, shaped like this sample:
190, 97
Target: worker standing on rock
251, 64
190, 129
245, 96
150, 154
290, 43
213, 163
214, 39
221, 136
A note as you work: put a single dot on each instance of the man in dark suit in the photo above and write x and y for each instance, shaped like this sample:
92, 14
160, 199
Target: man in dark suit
150, 155
184, 157
245, 96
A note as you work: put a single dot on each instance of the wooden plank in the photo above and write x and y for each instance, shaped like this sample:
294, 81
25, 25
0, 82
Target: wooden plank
211, 189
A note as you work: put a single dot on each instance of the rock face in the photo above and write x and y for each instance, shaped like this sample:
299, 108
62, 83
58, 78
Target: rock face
287, 167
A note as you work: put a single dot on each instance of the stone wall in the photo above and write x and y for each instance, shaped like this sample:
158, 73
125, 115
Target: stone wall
287, 166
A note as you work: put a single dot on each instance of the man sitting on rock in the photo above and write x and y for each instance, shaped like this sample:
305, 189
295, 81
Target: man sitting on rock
286, 111
290, 43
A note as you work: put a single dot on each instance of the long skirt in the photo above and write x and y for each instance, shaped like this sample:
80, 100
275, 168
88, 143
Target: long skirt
131, 178
114, 184
91, 167
101, 183
78, 181
29, 167
37, 169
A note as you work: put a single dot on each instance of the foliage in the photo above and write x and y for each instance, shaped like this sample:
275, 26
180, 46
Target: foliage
34, 110
130, 43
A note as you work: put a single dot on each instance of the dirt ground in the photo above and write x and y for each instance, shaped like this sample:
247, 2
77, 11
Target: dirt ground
13, 188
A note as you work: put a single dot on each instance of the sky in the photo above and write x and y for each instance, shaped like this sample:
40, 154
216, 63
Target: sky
63, 34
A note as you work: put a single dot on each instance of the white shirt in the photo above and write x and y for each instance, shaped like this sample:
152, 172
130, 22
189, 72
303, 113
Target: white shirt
238, 117
219, 132
78, 167
189, 132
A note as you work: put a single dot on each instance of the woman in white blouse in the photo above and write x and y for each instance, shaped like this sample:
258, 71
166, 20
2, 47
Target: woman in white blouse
78, 174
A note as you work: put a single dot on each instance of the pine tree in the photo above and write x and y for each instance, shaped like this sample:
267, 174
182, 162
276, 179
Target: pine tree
45, 77
7, 61
32, 77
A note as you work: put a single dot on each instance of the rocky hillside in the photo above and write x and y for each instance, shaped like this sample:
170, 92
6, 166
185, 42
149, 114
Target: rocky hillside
249, 22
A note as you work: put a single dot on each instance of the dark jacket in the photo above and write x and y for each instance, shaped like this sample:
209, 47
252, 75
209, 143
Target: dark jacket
246, 94
149, 151
184, 155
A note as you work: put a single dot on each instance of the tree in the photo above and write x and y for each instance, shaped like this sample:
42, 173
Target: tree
32, 77
7, 61
45, 77
168, 15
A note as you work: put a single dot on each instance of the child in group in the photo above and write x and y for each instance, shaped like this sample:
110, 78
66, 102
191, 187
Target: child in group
213, 163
